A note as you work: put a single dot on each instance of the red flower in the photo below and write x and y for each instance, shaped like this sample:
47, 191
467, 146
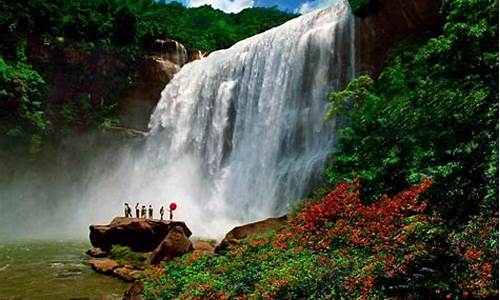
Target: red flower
472, 254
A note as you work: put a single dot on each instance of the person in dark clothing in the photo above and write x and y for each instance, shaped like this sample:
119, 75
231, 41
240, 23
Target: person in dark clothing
150, 211
172, 207
162, 211
128, 211
143, 212
137, 211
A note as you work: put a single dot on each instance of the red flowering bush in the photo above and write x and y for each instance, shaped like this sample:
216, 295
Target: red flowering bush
476, 248
389, 235
340, 248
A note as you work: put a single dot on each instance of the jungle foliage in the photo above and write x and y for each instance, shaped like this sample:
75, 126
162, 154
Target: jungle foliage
119, 32
433, 112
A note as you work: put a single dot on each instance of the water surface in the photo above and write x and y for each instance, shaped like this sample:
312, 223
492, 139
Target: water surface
52, 270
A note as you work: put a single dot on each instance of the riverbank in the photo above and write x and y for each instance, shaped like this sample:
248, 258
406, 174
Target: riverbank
49, 269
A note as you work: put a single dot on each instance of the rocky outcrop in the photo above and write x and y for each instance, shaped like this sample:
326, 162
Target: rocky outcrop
387, 22
103, 266
153, 73
194, 54
164, 58
175, 244
108, 266
141, 235
128, 273
244, 231
96, 253
170, 50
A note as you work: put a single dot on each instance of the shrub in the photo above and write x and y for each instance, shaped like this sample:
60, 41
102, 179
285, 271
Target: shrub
337, 247
124, 255
476, 249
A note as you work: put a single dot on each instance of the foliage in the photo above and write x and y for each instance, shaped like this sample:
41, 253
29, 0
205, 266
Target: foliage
476, 246
22, 91
433, 112
124, 255
132, 23
355, 92
337, 247
106, 38
364, 8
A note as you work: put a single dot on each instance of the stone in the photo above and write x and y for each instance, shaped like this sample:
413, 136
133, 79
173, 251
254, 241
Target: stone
135, 291
244, 231
103, 266
96, 253
175, 244
203, 246
128, 274
141, 235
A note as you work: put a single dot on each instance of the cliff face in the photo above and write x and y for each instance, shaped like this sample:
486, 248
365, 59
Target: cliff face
98, 77
164, 58
388, 22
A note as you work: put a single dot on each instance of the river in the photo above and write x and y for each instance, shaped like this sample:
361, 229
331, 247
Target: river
53, 270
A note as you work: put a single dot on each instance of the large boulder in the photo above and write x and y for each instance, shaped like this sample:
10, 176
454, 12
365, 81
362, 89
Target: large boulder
141, 235
247, 230
175, 244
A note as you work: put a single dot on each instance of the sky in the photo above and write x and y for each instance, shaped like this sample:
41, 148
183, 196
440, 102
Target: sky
234, 6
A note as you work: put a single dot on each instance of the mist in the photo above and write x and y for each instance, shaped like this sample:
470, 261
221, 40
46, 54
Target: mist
87, 179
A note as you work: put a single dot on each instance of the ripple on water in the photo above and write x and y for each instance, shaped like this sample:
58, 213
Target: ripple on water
52, 270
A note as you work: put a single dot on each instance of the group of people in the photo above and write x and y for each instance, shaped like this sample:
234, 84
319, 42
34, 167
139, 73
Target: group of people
143, 213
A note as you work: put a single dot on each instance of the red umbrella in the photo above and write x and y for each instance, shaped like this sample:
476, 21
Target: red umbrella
172, 206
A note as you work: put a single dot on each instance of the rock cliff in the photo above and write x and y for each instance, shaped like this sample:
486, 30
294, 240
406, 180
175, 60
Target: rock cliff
98, 76
386, 23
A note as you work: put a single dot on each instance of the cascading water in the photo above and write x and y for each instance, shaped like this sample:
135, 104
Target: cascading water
249, 119
237, 136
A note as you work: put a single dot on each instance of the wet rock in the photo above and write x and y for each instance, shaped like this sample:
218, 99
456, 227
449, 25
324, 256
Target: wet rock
103, 266
194, 54
96, 253
135, 291
128, 274
175, 244
141, 235
244, 231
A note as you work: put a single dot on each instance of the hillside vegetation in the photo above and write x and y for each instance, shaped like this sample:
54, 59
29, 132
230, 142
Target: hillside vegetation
116, 32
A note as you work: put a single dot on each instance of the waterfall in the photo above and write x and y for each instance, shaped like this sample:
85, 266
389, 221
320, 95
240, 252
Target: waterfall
180, 54
237, 136
248, 121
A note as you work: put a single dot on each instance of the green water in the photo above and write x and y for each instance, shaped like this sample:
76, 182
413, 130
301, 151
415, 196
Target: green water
52, 270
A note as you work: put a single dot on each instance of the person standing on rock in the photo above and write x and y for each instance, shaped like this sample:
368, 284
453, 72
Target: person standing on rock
137, 211
143, 212
150, 212
128, 211
171, 209
162, 211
